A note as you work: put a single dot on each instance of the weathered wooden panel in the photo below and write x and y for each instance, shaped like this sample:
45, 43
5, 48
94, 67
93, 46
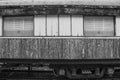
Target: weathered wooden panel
77, 25
54, 49
44, 49
64, 25
109, 48
77, 48
6, 53
14, 48
1, 48
116, 48
10, 48
90, 48
100, 49
65, 48
30, 48
52, 25
60, 10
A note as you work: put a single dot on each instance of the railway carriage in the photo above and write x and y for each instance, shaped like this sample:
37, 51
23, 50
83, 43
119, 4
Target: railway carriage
74, 38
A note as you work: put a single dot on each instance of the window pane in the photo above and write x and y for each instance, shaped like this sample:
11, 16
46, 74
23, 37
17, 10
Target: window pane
18, 26
98, 26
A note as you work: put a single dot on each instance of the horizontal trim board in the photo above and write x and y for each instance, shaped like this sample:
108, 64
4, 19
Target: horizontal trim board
118, 37
62, 2
60, 10
60, 6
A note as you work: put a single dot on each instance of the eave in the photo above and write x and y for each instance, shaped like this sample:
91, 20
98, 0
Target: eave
105, 10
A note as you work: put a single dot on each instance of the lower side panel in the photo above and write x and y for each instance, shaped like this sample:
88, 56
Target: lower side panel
59, 48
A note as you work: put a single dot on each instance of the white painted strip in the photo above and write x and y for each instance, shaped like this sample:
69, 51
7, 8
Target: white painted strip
64, 25
77, 25
59, 2
1, 24
117, 26
52, 25
60, 37
40, 25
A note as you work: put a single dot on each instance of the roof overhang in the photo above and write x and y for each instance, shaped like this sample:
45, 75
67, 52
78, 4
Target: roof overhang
105, 10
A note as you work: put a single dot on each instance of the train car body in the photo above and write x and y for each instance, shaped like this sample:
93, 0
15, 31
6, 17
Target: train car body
65, 30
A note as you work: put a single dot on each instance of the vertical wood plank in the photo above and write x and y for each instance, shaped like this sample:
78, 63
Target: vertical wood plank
117, 48
1, 48
52, 25
24, 46
15, 48
76, 48
1, 24
66, 49
30, 48
117, 26
60, 48
77, 25
72, 51
108, 48
40, 25
91, 48
100, 49
54, 48
64, 25
44, 49
6, 48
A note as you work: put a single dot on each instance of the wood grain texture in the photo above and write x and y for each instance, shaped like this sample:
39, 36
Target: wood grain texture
94, 10
109, 49
54, 48
77, 48
90, 48
44, 49
117, 48
65, 48
1, 48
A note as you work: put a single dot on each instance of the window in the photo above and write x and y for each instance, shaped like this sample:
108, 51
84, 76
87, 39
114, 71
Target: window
18, 26
98, 26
